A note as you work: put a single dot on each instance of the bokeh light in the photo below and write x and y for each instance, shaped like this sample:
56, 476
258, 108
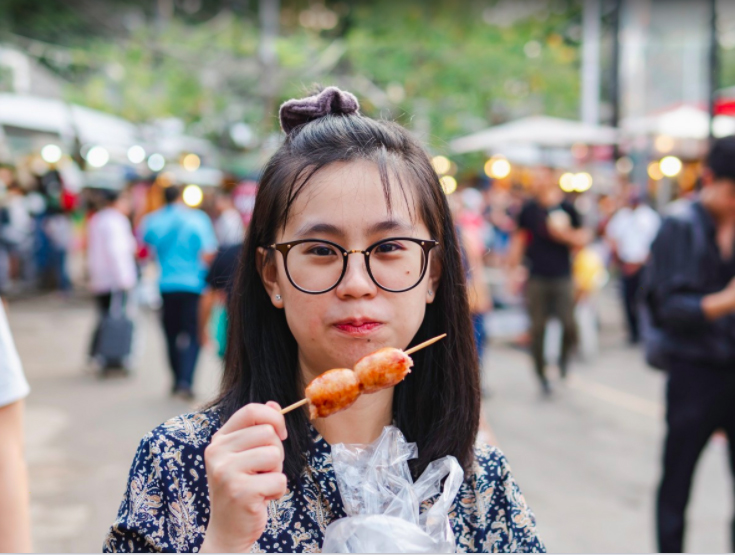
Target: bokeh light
97, 156
192, 195
136, 154
449, 184
566, 182
156, 162
191, 162
51, 153
582, 182
441, 164
670, 166
654, 171
497, 167
624, 165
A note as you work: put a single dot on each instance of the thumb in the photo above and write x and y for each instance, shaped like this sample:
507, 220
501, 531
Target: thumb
273, 405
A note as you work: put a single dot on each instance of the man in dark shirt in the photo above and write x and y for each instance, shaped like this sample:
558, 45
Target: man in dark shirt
691, 290
549, 227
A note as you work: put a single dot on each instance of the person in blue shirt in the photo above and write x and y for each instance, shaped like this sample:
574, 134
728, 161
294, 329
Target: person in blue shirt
184, 242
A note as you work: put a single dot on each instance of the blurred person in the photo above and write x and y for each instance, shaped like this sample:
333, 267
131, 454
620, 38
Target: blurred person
214, 301
184, 242
691, 279
59, 232
111, 249
630, 231
471, 228
549, 228
228, 227
15, 526
18, 233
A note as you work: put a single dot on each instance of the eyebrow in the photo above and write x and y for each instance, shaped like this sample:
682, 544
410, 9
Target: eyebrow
330, 229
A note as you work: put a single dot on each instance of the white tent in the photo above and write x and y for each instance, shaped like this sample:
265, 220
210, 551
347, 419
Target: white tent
683, 122
68, 120
543, 131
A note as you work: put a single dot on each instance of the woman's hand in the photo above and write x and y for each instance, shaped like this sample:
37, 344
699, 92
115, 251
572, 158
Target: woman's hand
244, 465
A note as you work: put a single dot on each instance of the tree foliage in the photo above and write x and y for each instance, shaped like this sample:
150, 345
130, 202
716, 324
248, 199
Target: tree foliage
444, 68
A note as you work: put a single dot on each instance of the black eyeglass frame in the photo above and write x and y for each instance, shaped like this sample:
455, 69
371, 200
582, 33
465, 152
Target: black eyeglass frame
426, 244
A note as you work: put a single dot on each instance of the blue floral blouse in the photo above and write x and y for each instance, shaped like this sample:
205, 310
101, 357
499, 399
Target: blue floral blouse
166, 504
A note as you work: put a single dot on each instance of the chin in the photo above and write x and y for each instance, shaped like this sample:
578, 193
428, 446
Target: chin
351, 349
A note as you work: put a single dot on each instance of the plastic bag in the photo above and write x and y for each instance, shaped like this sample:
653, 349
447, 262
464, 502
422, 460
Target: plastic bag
382, 501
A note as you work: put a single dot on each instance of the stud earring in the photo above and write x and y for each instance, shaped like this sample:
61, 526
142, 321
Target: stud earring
278, 297
431, 293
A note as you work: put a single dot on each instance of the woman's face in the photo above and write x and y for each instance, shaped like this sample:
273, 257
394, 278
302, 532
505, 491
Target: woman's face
344, 203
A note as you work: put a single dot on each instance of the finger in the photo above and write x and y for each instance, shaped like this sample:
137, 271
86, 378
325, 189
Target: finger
254, 414
254, 461
250, 438
271, 486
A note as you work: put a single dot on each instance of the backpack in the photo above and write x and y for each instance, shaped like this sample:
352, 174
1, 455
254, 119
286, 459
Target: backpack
654, 336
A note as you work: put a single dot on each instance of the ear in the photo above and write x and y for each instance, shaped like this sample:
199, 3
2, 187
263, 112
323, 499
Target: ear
268, 271
435, 273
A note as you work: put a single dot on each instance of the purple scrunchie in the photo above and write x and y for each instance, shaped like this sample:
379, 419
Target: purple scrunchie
298, 111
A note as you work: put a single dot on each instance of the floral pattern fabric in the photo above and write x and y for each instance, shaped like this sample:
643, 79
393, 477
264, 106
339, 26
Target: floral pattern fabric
166, 504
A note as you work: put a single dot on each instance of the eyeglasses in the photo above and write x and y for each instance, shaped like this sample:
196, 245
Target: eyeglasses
316, 266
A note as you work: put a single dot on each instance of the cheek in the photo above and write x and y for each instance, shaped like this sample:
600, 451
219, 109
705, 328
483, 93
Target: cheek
305, 315
409, 309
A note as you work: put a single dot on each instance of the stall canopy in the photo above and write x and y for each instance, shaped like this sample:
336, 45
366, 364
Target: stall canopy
682, 122
67, 120
542, 131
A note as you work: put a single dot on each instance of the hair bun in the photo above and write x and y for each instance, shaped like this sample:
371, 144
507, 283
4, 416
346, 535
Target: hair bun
298, 111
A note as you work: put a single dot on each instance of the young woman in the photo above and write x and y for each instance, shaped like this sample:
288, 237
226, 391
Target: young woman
351, 248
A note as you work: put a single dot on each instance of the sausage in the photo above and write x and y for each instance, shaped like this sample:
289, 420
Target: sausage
332, 391
382, 369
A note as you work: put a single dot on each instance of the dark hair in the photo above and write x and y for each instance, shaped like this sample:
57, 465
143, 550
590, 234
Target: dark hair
171, 194
721, 158
438, 405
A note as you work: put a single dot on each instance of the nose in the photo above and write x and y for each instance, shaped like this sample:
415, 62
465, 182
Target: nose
356, 282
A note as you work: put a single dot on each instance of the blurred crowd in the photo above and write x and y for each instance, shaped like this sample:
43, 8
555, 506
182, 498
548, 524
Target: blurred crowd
98, 240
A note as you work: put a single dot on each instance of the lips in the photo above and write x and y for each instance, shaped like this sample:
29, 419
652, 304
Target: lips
357, 327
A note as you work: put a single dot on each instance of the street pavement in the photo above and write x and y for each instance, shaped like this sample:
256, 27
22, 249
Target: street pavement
587, 459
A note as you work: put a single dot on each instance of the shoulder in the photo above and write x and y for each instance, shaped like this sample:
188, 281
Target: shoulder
529, 210
203, 219
492, 512
676, 226
192, 430
150, 220
180, 442
490, 469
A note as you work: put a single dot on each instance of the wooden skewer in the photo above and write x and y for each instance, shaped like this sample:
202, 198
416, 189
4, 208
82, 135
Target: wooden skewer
420, 346
409, 352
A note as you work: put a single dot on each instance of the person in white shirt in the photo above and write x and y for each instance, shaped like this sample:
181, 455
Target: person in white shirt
15, 528
111, 248
631, 232
229, 227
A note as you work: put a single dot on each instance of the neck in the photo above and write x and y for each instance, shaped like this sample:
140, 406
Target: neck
710, 205
363, 422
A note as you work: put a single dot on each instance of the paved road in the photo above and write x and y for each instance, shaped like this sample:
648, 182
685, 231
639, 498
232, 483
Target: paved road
587, 459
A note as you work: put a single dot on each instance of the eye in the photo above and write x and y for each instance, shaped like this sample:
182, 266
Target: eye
321, 250
387, 248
